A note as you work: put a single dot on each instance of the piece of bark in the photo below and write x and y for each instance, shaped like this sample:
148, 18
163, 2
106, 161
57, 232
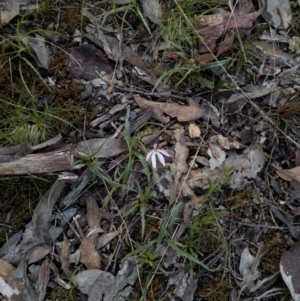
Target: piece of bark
9, 154
58, 160
51, 143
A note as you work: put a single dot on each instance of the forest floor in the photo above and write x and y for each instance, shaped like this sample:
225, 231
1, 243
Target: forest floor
149, 150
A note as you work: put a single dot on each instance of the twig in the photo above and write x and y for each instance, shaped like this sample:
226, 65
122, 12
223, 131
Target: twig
260, 226
143, 92
5, 225
58, 15
70, 225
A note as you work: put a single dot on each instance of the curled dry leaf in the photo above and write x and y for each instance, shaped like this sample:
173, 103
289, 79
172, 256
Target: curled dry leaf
183, 113
194, 131
226, 144
36, 46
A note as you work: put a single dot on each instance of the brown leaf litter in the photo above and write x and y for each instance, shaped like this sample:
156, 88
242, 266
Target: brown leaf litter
205, 134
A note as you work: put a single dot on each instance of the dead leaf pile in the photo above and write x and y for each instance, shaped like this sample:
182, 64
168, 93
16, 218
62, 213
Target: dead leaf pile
110, 192
39, 250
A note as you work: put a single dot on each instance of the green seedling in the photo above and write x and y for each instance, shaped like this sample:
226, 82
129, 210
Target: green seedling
148, 258
214, 185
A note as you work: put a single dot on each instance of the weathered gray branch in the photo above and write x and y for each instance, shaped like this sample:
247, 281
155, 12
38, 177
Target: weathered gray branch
58, 160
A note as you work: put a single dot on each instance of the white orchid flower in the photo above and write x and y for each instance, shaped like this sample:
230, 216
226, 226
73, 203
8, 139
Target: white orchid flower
157, 153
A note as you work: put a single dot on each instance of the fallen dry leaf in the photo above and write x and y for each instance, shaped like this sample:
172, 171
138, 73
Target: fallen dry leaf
87, 62
152, 10
104, 239
216, 154
246, 166
38, 253
237, 100
101, 285
212, 27
277, 12
11, 288
183, 113
226, 144
93, 213
287, 220
57, 277
5, 268
194, 130
295, 173
36, 46
179, 282
43, 211
88, 280
43, 280
248, 269
179, 164
290, 270
288, 174
64, 257
111, 45
269, 50
89, 255
101, 147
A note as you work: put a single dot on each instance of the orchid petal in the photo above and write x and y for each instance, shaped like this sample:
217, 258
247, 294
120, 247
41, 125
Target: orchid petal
149, 155
161, 158
165, 153
153, 159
